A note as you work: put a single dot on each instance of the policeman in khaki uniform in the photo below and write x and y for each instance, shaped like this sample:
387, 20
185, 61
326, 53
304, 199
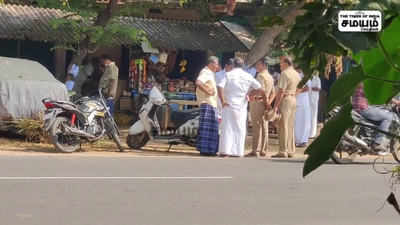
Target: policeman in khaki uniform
257, 109
286, 103
109, 81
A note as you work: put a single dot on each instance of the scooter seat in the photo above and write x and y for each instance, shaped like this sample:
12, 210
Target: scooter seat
180, 117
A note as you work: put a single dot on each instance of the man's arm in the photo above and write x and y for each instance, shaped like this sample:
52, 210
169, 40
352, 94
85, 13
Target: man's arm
113, 85
265, 99
205, 88
257, 89
302, 90
282, 84
315, 89
269, 88
221, 96
259, 92
271, 97
278, 98
112, 88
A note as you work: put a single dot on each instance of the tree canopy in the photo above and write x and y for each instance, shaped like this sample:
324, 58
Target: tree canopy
92, 25
315, 34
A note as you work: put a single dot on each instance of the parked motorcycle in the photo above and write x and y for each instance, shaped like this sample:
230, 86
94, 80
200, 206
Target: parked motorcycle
86, 120
358, 139
157, 121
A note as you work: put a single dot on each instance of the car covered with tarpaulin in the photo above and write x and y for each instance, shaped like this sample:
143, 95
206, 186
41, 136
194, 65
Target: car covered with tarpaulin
23, 85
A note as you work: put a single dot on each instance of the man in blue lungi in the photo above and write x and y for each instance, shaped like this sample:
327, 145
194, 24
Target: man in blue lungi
207, 97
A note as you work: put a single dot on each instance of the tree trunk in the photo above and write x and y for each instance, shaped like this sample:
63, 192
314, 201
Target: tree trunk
264, 42
102, 19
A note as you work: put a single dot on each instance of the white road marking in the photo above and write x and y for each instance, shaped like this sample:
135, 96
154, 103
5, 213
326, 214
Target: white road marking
117, 178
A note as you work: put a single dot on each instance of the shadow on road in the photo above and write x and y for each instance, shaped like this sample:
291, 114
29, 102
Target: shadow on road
164, 152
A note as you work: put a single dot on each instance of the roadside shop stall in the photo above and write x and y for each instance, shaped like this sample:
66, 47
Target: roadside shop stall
172, 72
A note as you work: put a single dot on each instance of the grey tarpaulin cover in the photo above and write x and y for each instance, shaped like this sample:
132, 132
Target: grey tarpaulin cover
23, 85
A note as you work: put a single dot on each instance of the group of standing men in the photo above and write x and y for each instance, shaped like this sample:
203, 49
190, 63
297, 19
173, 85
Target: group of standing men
228, 94
84, 80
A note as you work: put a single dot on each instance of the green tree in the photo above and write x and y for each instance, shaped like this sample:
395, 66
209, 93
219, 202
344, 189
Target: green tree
315, 34
311, 32
92, 25
275, 26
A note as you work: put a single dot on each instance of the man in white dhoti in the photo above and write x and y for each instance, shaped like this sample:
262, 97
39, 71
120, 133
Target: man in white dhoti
237, 85
219, 77
314, 99
302, 126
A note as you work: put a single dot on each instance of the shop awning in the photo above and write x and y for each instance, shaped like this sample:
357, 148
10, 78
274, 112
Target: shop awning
30, 23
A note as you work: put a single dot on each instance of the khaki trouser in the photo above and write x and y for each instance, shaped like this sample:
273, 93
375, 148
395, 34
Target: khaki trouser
286, 125
260, 127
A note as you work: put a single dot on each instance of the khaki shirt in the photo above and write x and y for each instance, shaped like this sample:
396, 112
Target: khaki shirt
289, 80
207, 77
266, 81
110, 73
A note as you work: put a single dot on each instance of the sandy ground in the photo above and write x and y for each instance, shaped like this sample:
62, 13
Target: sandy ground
107, 147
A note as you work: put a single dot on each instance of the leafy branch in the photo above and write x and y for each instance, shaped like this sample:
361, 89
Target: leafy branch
378, 58
383, 80
388, 58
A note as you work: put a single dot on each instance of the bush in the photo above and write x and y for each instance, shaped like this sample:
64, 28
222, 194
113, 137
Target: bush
32, 129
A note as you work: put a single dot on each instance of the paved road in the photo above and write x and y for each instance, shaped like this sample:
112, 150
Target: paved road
48, 190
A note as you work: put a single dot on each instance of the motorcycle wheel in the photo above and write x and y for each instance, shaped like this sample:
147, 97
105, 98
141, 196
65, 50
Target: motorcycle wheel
395, 149
340, 157
137, 141
112, 133
117, 141
63, 143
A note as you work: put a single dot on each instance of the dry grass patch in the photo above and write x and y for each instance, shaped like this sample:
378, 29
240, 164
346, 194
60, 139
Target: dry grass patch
32, 130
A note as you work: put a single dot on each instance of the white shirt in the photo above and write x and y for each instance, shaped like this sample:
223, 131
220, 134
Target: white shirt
219, 77
301, 97
70, 85
74, 70
315, 83
251, 70
237, 84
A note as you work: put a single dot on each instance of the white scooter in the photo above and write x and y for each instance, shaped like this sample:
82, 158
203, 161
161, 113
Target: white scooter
158, 122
